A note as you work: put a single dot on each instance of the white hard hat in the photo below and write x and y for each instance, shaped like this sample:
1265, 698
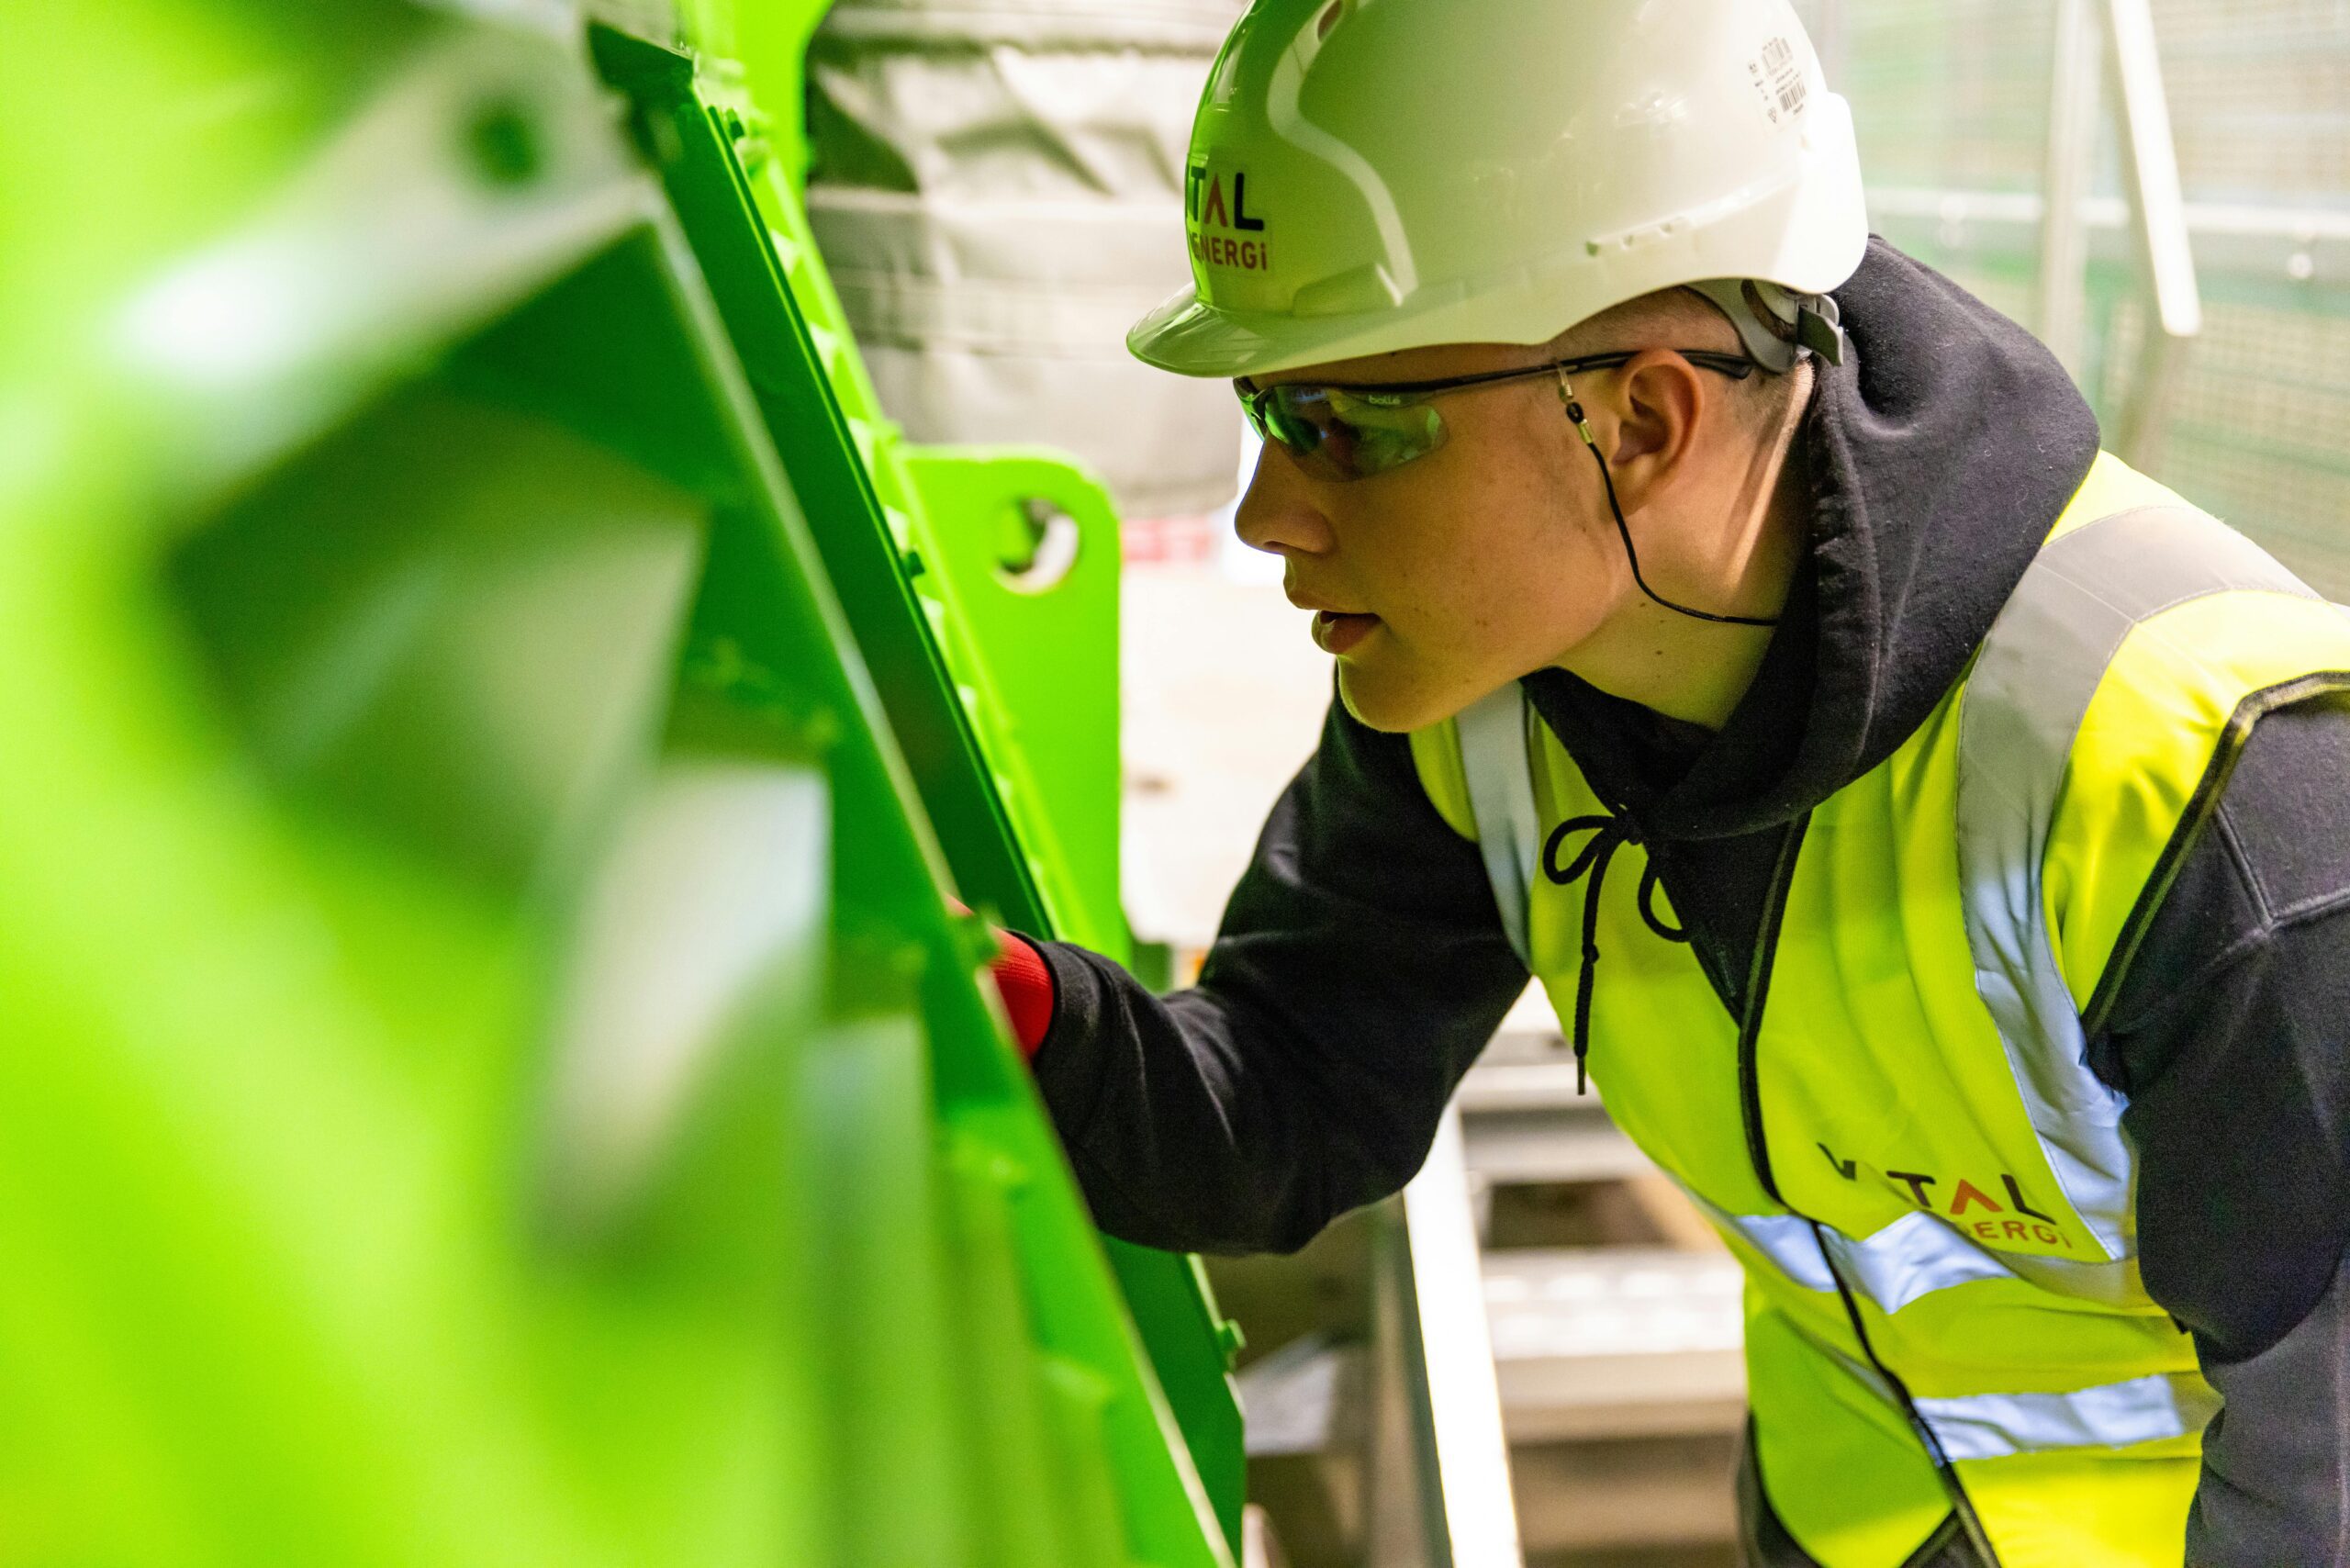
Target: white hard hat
1368, 175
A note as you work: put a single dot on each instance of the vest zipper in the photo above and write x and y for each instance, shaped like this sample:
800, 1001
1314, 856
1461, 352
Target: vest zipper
1758, 1153
1758, 990
1962, 1506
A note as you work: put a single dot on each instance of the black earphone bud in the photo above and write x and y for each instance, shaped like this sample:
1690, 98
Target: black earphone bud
1624, 530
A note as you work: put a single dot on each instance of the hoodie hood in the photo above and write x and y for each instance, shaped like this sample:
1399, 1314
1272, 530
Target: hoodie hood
1940, 455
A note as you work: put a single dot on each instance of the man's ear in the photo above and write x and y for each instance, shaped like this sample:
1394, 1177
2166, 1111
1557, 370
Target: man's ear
1660, 400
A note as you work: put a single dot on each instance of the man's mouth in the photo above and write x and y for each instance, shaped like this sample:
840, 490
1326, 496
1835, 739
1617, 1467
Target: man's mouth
1334, 633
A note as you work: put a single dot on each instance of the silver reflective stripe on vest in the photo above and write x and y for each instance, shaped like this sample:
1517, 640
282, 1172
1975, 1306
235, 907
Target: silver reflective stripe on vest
2040, 667
2001, 1425
1786, 1239
1501, 797
1919, 1254
2114, 1414
1916, 1255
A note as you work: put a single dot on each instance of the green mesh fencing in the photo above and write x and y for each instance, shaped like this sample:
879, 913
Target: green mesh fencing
1951, 101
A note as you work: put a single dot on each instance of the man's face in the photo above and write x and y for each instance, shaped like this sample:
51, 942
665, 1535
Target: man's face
1459, 570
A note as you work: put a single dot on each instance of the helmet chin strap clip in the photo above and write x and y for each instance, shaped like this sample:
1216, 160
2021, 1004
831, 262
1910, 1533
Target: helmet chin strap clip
1778, 327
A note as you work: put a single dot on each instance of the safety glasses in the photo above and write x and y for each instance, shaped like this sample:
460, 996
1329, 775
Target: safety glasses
1353, 433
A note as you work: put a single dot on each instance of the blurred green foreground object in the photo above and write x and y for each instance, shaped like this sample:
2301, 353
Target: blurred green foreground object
487, 1075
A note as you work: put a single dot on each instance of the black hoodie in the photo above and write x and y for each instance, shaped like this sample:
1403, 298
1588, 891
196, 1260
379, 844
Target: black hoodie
1362, 964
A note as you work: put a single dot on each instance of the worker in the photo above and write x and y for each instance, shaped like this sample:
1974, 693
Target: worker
1931, 831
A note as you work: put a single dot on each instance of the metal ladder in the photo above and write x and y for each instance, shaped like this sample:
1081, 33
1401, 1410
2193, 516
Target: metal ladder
1474, 1350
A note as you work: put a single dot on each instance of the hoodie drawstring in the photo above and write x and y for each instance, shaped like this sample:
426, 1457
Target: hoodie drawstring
1608, 833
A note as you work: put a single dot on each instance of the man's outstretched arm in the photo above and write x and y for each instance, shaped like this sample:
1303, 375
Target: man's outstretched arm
1360, 969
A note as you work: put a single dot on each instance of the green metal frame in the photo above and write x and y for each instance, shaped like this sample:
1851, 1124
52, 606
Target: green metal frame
1041, 730
1006, 700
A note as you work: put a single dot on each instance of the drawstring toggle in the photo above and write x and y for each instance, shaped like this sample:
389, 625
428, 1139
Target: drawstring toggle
1608, 832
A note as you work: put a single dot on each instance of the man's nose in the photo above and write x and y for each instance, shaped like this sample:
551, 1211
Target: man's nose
1279, 514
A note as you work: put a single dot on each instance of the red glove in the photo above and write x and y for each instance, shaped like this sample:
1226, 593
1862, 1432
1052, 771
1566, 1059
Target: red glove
1025, 983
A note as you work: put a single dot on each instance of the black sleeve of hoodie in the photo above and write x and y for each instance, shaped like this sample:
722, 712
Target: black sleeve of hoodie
2231, 1037
1360, 967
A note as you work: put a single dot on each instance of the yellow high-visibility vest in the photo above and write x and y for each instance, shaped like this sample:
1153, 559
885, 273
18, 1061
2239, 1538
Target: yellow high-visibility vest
1932, 1193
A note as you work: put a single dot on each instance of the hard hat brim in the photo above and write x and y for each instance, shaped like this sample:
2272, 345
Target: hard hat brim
1190, 336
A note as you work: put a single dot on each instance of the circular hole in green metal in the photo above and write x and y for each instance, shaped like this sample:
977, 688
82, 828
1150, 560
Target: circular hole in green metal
1043, 549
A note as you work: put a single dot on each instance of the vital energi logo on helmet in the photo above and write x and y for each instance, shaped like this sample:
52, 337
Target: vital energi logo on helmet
1213, 224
